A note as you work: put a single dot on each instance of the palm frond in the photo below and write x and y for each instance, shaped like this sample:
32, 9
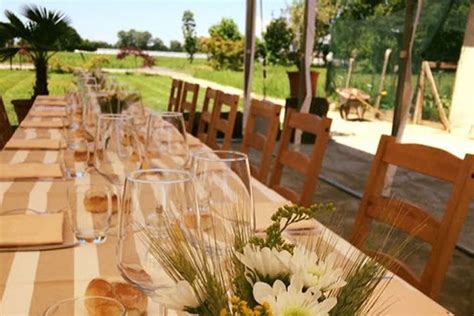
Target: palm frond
12, 29
46, 27
41, 15
8, 52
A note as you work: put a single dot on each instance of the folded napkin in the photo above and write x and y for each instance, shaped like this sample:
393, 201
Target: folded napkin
52, 144
265, 210
27, 230
29, 170
41, 124
193, 141
50, 102
38, 113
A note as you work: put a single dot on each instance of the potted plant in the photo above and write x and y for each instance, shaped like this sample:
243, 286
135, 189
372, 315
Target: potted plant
296, 13
38, 36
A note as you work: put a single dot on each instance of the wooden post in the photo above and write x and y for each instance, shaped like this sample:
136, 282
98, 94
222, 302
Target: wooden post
382, 77
461, 114
249, 57
405, 85
420, 97
349, 72
437, 99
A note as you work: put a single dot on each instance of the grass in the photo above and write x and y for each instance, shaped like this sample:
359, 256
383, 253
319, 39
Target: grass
155, 89
276, 81
18, 84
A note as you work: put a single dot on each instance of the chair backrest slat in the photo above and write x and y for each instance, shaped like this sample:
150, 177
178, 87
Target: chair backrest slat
308, 165
188, 104
221, 124
5, 127
441, 234
441, 165
261, 141
210, 99
175, 95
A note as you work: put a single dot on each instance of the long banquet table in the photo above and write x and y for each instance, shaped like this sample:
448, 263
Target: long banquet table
31, 281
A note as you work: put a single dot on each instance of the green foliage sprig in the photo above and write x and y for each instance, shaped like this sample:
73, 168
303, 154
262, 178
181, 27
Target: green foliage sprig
284, 217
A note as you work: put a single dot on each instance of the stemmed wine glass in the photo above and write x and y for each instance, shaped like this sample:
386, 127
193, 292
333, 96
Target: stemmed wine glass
166, 143
224, 194
154, 201
117, 150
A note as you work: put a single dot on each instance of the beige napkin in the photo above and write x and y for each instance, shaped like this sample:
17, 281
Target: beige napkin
41, 124
193, 141
37, 113
26, 230
29, 170
265, 210
50, 102
52, 144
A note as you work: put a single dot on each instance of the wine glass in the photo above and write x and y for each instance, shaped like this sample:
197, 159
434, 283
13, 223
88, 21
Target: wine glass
154, 202
166, 143
224, 194
87, 305
117, 150
90, 211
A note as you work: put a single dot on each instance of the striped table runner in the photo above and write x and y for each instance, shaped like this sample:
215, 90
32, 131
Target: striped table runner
31, 281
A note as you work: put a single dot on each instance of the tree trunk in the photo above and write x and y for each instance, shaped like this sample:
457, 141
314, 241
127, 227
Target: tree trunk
41, 84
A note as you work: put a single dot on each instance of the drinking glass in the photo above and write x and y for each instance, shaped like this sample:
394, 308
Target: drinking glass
90, 211
87, 305
117, 149
166, 143
154, 202
224, 194
75, 156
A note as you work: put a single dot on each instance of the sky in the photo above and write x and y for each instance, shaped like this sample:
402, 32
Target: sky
102, 19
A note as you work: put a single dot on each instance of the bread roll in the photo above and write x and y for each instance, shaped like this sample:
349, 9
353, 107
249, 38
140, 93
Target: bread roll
134, 300
131, 297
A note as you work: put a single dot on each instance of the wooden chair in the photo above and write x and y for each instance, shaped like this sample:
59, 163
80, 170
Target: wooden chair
307, 165
175, 95
189, 107
263, 142
5, 127
210, 99
223, 123
440, 234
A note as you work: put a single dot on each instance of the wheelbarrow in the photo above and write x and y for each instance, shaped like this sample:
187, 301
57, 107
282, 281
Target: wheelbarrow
352, 98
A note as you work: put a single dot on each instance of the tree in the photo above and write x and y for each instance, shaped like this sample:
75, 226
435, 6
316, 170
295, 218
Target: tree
326, 12
175, 46
133, 38
278, 38
158, 44
226, 29
189, 34
42, 32
70, 40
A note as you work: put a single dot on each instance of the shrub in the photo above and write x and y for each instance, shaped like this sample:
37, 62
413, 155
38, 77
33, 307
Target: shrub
96, 62
56, 66
223, 53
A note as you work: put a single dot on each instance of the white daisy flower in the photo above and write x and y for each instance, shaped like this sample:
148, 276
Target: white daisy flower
318, 273
180, 297
266, 262
293, 301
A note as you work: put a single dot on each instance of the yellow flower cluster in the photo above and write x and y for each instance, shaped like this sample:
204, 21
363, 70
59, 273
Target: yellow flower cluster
241, 308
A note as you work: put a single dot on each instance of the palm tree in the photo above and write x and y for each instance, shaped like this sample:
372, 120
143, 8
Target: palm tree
41, 32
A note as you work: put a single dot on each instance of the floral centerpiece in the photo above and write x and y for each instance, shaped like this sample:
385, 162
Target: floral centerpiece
266, 274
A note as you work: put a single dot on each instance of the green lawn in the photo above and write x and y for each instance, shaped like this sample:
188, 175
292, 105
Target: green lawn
155, 89
18, 84
276, 82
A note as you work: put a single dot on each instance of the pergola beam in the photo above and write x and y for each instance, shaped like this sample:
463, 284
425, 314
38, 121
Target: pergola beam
249, 56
